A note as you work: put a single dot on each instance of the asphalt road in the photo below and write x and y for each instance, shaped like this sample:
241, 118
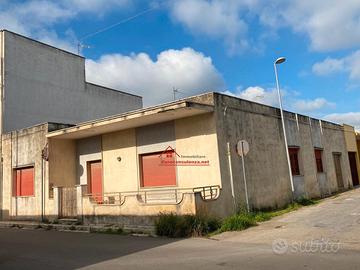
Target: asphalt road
325, 236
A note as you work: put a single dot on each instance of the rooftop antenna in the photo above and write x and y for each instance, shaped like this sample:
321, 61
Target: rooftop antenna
80, 45
175, 91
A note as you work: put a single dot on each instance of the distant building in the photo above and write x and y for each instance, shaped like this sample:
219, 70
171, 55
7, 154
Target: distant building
40, 83
176, 157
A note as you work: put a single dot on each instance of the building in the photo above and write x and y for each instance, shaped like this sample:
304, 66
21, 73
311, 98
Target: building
40, 83
352, 148
176, 157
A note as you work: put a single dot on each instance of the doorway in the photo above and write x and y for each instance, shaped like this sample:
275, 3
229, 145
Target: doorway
95, 182
353, 168
338, 170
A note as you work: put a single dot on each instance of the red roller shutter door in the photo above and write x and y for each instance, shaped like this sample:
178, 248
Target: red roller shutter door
24, 182
95, 180
154, 174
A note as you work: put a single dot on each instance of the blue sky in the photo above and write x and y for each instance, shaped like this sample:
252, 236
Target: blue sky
201, 45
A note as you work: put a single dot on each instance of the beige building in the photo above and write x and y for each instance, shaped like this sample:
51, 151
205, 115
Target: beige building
177, 157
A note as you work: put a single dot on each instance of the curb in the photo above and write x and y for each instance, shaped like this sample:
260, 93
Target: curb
103, 228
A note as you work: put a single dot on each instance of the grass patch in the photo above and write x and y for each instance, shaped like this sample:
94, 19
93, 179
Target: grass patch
173, 225
238, 222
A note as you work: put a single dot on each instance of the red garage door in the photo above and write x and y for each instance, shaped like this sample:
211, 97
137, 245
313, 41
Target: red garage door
95, 179
154, 173
24, 182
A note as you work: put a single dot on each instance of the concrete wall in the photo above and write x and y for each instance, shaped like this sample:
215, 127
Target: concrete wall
62, 165
46, 84
266, 165
23, 148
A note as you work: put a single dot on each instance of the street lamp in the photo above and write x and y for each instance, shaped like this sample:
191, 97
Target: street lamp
278, 62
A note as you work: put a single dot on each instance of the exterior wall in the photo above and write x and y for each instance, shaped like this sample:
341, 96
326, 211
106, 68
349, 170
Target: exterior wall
334, 142
88, 149
46, 84
120, 175
62, 165
358, 144
266, 165
22, 148
197, 136
120, 156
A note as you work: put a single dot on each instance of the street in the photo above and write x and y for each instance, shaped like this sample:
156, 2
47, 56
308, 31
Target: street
324, 236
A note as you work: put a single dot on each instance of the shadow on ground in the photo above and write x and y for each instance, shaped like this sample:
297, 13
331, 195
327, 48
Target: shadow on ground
31, 249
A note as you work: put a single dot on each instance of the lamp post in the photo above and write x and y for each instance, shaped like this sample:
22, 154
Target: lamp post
278, 62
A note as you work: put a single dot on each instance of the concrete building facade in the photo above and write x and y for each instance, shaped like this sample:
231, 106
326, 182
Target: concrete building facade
174, 157
40, 83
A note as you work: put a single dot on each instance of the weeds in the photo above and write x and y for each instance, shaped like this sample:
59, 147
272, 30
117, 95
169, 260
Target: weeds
173, 225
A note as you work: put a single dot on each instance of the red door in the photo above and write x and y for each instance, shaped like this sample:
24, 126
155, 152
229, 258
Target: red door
95, 180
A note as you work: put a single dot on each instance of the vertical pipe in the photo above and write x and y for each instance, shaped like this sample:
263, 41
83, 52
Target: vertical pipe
231, 175
284, 131
244, 174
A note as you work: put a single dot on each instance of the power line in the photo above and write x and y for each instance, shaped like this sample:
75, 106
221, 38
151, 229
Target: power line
80, 45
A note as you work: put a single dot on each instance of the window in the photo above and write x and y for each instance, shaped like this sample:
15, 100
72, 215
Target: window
318, 159
24, 182
158, 169
294, 161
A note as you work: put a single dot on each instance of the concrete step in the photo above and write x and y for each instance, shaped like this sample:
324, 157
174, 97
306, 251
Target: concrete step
69, 221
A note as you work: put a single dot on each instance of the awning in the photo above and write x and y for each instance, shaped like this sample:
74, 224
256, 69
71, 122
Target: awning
132, 119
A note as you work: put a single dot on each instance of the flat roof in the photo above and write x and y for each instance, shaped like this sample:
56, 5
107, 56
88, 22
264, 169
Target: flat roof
132, 119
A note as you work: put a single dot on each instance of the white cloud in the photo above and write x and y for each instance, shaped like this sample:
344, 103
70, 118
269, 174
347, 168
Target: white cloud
312, 105
36, 18
349, 64
329, 24
257, 94
216, 19
350, 118
328, 66
290, 99
188, 70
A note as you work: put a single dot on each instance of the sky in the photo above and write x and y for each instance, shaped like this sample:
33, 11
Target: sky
151, 47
